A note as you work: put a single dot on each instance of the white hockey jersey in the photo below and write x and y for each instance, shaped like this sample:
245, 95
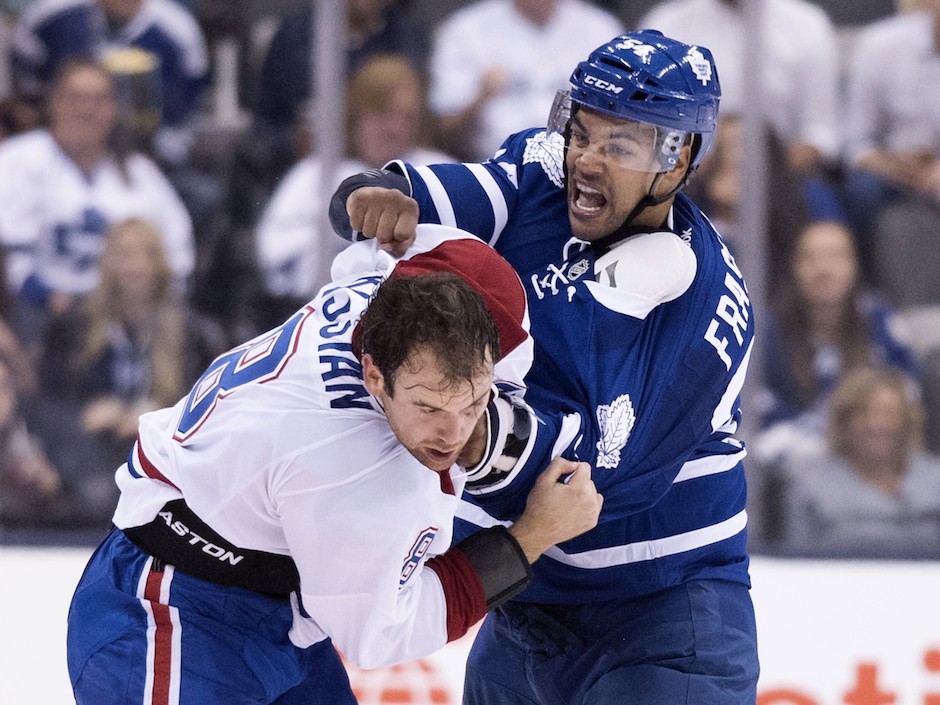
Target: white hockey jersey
280, 448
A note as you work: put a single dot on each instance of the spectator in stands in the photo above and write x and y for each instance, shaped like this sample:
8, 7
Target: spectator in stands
12, 350
801, 68
279, 136
51, 31
17, 116
129, 347
65, 185
822, 323
28, 481
496, 65
872, 491
386, 118
795, 198
893, 119
372, 27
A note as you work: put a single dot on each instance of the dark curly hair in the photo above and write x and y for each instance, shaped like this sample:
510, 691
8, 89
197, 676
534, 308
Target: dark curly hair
440, 313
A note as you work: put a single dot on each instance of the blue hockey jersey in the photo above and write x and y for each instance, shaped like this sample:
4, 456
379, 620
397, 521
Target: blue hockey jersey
641, 353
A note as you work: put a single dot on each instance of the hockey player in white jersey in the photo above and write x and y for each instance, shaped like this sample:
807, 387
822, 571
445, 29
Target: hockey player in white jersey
302, 495
643, 330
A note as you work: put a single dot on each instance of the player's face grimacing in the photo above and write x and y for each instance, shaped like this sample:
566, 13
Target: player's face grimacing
611, 166
432, 417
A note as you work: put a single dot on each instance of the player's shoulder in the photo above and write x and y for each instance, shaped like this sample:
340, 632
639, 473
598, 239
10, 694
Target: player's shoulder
536, 155
656, 266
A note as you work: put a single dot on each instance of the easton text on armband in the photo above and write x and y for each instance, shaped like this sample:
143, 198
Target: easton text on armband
218, 552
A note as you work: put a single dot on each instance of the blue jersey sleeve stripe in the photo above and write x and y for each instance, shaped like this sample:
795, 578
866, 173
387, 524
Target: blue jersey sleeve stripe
654, 548
438, 194
495, 195
709, 465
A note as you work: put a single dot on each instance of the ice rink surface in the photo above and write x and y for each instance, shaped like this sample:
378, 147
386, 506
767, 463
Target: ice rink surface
35, 588
827, 631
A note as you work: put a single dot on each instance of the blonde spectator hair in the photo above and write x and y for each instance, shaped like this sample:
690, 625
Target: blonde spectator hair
104, 305
853, 393
372, 88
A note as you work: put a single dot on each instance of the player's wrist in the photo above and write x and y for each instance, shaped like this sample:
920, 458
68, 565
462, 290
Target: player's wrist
500, 561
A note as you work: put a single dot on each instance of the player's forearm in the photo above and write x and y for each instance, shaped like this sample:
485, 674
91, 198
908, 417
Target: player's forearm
480, 573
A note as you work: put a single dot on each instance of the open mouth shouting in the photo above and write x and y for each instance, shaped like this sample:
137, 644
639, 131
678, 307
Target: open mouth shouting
588, 211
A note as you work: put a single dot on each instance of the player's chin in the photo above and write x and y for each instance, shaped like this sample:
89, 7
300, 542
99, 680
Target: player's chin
438, 461
588, 228
589, 224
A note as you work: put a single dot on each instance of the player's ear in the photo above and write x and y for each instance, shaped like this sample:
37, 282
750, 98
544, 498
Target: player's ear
372, 376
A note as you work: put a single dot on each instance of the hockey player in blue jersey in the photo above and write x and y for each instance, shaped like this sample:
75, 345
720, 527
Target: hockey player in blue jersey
643, 329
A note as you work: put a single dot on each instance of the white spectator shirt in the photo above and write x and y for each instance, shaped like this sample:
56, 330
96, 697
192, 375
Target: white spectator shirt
293, 240
801, 65
538, 61
893, 86
54, 217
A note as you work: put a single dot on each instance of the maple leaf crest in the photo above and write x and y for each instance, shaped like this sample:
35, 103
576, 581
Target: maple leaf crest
547, 149
615, 421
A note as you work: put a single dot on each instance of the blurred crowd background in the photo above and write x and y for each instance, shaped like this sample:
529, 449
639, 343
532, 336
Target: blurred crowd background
161, 200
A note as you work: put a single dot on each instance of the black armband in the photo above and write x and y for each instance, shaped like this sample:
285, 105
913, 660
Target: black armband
499, 562
382, 178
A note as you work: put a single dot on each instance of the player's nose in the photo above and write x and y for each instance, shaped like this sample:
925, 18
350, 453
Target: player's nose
456, 431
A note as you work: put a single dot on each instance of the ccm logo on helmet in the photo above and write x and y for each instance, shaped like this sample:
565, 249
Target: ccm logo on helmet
602, 84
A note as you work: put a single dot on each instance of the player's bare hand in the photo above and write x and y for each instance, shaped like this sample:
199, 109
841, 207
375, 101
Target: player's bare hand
385, 214
563, 503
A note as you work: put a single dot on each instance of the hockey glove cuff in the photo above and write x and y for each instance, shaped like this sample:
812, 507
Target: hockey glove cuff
383, 178
499, 562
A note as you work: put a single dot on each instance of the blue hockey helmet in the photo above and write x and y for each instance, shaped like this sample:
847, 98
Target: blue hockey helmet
647, 77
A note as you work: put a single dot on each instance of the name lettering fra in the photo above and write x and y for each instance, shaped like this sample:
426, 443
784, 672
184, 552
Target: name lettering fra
733, 312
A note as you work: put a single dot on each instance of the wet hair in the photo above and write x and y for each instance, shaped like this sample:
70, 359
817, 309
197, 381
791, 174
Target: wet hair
440, 313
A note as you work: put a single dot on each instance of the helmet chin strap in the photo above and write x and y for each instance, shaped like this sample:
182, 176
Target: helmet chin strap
626, 229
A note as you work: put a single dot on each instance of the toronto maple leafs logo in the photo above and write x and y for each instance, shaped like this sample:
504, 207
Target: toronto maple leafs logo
700, 66
547, 149
615, 421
